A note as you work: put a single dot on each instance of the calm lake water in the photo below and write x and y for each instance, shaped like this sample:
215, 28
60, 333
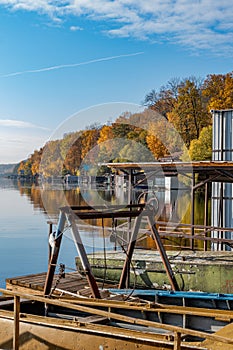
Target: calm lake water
26, 209
24, 229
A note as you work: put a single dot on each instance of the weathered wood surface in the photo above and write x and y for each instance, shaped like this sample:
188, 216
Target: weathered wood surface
135, 321
72, 282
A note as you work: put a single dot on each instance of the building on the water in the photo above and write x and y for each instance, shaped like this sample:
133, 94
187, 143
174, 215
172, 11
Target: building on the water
222, 192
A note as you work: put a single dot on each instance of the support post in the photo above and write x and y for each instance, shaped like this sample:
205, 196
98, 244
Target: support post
16, 322
206, 218
177, 341
222, 223
129, 233
70, 217
192, 212
54, 255
162, 252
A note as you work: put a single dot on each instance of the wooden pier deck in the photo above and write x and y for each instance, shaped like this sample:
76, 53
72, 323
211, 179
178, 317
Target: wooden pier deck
72, 282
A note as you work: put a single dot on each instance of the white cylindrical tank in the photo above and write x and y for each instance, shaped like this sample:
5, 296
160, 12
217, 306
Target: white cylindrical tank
221, 213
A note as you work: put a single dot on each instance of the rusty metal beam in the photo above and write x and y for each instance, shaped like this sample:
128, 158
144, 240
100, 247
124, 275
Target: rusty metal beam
163, 253
54, 255
129, 254
149, 214
109, 207
70, 217
107, 214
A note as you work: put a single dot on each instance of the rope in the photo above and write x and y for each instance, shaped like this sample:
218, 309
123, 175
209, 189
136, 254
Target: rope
60, 276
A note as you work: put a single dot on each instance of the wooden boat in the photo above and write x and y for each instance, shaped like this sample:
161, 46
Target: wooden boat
68, 311
73, 319
180, 298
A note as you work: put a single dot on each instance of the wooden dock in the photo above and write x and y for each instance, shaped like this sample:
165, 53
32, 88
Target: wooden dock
70, 283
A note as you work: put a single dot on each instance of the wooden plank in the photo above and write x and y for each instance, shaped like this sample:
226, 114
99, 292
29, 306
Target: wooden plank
16, 322
38, 280
132, 320
13, 279
177, 341
94, 319
226, 331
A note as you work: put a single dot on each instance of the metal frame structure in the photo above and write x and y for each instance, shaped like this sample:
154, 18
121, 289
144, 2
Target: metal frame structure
71, 214
201, 173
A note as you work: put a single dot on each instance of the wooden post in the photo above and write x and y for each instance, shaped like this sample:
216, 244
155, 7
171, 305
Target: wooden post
16, 322
177, 341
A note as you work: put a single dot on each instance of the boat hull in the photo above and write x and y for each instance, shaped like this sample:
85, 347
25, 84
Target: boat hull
42, 333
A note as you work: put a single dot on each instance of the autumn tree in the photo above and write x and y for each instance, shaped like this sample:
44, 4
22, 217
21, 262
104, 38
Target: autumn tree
164, 100
106, 145
218, 90
89, 140
190, 113
21, 168
73, 159
35, 161
106, 133
51, 160
71, 149
156, 146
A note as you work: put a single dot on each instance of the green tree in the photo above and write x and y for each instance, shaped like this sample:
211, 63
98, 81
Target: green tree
201, 149
135, 152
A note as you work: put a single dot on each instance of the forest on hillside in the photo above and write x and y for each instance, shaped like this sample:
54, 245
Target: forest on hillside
175, 123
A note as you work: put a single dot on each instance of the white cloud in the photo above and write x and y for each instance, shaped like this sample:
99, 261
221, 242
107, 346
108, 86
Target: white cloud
19, 124
75, 28
196, 24
18, 139
14, 148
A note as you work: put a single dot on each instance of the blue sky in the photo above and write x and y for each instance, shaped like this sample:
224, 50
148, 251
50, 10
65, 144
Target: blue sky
60, 57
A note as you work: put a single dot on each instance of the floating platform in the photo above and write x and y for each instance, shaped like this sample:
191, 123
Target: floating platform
71, 283
205, 271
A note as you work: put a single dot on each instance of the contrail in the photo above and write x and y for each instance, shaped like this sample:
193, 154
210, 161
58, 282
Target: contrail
46, 69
